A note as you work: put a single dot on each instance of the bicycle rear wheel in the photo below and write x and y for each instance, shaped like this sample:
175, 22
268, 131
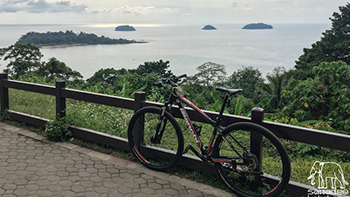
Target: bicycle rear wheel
159, 152
237, 160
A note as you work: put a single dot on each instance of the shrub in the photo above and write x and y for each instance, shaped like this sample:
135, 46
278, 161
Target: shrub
58, 130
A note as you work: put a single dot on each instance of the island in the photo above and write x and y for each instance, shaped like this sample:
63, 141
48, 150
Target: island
208, 27
68, 38
257, 26
125, 28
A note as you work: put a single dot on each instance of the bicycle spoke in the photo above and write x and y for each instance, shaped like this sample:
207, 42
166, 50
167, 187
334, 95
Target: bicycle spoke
243, 171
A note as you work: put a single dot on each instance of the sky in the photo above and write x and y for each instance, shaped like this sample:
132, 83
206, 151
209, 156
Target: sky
167, 12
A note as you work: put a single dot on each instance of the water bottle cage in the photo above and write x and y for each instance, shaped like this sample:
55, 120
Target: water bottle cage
198, 129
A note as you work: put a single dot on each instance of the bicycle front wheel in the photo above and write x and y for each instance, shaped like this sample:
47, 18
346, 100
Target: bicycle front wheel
251, 160
157, 141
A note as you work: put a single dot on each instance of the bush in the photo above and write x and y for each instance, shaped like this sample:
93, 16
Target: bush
57, 130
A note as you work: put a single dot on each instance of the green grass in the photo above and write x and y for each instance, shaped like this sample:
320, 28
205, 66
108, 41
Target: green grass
32, 103
115, 121
110, 120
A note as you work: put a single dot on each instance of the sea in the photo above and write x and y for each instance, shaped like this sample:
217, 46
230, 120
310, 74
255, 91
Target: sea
185, 47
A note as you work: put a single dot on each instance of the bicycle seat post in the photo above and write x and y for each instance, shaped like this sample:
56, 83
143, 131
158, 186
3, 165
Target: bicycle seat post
219, 118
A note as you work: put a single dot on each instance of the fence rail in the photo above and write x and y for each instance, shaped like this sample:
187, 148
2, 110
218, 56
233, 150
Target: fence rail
294, 133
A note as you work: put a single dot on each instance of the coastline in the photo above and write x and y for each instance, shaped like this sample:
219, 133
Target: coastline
81, 44
61, 45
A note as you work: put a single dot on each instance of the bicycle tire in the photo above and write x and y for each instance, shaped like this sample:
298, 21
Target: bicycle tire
148, 152
255, 178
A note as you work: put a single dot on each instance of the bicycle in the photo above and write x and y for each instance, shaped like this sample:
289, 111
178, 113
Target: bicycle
157, 141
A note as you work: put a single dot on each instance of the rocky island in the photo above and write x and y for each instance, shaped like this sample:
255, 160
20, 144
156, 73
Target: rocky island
257, 26
208, 27
125, 28
68, 38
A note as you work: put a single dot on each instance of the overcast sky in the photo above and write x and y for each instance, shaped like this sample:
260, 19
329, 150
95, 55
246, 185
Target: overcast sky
167, 11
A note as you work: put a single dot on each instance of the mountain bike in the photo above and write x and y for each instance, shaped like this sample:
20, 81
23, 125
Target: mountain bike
248, 169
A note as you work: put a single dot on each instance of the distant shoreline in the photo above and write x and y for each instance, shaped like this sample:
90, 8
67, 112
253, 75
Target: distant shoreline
79, 44
62, 45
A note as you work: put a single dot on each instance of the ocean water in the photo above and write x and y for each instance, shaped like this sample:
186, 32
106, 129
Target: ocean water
185, 47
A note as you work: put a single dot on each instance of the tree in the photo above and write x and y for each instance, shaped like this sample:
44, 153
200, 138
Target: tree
23, 58
210, 73
276, 81
56, 69
159, 67
246, 78
106, 76
333, 46
326, 97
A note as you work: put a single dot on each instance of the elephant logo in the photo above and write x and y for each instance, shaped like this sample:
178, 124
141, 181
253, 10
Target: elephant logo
327, 172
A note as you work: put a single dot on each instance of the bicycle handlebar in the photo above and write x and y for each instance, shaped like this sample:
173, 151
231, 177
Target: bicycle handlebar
172, 80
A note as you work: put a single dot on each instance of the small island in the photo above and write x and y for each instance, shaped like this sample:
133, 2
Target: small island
68, 38
208, 27
257, 26
125, 28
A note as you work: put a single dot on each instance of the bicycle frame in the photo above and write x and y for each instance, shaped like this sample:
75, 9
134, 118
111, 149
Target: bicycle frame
179, 100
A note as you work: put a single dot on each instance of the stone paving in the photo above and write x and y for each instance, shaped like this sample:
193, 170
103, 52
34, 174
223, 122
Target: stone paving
33, 166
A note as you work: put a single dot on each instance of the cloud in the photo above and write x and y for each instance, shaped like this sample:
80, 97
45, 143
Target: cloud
40, 6
141, 10
239, 7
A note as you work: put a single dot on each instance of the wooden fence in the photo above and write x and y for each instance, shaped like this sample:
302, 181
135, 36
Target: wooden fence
289, 132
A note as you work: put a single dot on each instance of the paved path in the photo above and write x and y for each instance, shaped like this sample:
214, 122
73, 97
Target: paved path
33, 166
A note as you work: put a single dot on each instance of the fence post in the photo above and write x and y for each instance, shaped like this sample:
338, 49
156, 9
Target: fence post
139, 98
4, 93
255, 138
139, 133
60, 101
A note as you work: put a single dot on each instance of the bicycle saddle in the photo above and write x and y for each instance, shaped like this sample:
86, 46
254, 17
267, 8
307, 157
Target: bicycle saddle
229, 91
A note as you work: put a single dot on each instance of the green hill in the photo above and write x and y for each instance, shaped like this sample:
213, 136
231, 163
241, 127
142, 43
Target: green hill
68, 38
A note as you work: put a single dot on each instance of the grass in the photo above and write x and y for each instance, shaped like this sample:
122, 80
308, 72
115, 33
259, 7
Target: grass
32, 103
114, 121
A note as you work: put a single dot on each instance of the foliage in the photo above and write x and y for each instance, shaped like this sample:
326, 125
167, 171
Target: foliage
34, 78
326, 97
218, 103
238, 109
106, 76
23, 58
159, 67
276, 81
126, 91
209, 73
130, 83
243, 104
246, 78
67, 38
333, 46
58, 130
126, 82
199, 94
55, 69
264, 102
